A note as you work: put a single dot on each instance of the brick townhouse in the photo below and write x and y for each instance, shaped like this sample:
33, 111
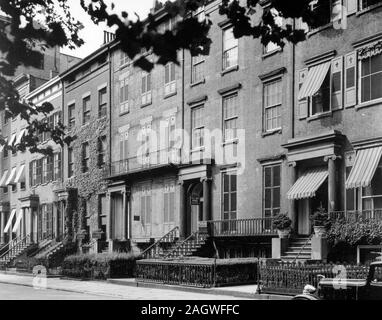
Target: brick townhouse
293, 129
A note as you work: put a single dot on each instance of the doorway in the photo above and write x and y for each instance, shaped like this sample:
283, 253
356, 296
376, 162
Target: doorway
195, 207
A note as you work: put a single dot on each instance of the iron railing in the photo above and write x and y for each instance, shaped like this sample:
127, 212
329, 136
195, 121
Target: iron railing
354, 216
242, 227
155, 249
149, 160
15, 246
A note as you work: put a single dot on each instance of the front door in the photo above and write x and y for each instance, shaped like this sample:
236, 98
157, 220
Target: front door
303, 217
195, 215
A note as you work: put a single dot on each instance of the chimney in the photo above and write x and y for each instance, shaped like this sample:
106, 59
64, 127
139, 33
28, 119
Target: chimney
108, 37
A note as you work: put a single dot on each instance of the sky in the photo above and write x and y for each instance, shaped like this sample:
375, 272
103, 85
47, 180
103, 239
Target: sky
93, 34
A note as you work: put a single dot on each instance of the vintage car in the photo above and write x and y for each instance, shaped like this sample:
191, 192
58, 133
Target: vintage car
348, 289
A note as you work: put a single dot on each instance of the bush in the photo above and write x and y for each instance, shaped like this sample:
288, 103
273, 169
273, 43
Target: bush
362, 232
320, 218
282, 222
99, 266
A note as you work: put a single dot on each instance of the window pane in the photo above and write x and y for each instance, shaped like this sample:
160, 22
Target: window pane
365, 64
268, 198
376, 63
365, 84
233, 182
226, 202
233, 201
276, 198
226, 182
267, 177
376, 86
276, 176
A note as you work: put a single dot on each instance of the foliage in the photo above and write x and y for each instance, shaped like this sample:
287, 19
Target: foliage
99, 266
320, 218
282, 222
33, 25
362, 231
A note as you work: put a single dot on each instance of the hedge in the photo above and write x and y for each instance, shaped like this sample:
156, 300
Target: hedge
99, 266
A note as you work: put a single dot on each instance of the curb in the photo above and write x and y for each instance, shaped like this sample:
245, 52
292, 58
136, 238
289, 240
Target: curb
235, 294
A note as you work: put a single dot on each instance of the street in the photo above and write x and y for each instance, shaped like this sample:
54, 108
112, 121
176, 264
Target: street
21, 288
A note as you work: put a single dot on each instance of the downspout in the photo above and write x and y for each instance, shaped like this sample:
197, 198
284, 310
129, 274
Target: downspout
293, 105
183, 97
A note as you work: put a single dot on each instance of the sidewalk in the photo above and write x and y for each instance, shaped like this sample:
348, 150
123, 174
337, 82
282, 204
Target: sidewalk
129, 289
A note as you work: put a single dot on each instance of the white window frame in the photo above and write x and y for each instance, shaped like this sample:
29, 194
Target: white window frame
226, 96
278, 105
123, 96
226, 50
359, 75
146, 96
200, 128
170, 84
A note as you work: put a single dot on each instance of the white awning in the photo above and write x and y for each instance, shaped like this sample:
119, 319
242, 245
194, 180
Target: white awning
18, 219
3, 179
8, 225
19, 173
2, 145
307, 185
20, 136
314, 80
10, 143
365, 165
10, 177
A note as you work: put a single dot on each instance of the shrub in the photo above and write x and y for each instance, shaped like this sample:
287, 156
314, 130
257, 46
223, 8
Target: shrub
282, 222
99, 266
364, 231
320, 218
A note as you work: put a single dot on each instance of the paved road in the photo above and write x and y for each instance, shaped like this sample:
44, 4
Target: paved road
17, 292
13, 287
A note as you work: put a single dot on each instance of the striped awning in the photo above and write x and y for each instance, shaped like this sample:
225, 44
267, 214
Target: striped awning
314, 80
9, 223
18, 220
10, 177
10, 143
365, 165
20, 136
307, 185
3, 179
19, 173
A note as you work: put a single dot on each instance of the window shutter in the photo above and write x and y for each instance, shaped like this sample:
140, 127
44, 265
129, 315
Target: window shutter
172, 206
167, 73
143, 207
172, 76
166, 207
337, 83
121, 148
148, 208
302, 104
121, 92
58, 166
351, 6
351, 79
31, 173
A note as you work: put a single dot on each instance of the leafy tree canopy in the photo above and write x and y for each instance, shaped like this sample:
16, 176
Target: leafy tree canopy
34, 25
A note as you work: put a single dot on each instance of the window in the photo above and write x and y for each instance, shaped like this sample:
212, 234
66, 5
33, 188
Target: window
197, 121
326, 12
102, 102
169, 79
102, 145
124, 59
71, 116
146, 88
169, 203
270, 47
272, 183
86, 109
39, 171
124, 96
230, 106
57, 166
371, 78
33, 173
230, 49
321, 100
146, 144
70, 162
197, 72
146, 205
169, 24
229, 195
50, 165
85, 157
368, 3
372, 195
272, 105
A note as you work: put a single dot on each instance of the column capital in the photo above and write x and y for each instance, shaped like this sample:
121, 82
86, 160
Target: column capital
180, 183
205, 179
333, 157
292, 164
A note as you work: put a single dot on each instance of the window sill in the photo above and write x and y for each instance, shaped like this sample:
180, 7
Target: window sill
370, 8
230, 69
194, 84
123, 66
201, 149
319, 29
124, 113
368, 104
229, 142
169, 95
146, 104
271, 53
319, 116
272, 132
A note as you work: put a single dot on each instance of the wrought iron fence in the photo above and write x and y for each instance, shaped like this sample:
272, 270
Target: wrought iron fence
291, 278
354, 216
177, 273
242, 227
